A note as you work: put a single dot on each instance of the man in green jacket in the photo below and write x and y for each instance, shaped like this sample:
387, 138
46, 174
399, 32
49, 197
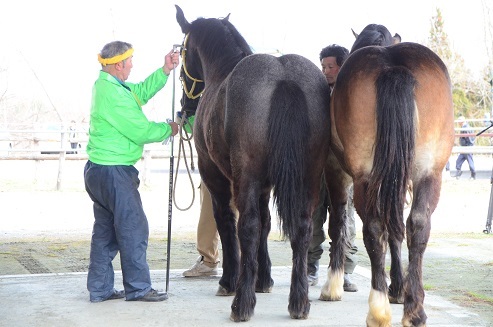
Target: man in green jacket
117, 133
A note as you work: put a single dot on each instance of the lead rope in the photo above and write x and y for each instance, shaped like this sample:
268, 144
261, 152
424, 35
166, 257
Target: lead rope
184, 137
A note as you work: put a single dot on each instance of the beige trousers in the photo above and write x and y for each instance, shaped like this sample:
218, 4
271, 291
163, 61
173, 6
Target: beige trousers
207, 235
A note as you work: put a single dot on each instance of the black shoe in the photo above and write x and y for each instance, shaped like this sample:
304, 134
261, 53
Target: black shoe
473, 175
115, 296
152, 296
458, 174
348, 285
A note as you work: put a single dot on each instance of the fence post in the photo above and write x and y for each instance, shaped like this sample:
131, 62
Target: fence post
145, 167
61, 160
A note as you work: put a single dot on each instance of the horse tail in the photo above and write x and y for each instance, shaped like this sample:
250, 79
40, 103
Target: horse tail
394, 148
288, 136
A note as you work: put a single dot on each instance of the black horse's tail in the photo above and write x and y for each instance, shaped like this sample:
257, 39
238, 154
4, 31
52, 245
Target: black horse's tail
288, 136
394, 148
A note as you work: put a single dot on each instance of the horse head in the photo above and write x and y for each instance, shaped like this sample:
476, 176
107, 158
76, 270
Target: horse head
210, 42
374, 34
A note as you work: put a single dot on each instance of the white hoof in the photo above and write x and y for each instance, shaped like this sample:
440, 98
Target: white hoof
333, 287
380, 314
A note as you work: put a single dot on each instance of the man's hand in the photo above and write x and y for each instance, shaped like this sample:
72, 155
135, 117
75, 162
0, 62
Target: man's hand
171, 60
174, 128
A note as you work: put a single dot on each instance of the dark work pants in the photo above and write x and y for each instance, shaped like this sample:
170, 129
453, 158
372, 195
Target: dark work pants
463, 157
120, 224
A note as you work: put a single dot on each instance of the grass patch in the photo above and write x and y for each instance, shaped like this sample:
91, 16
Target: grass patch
480, 297
428, 287
58, 247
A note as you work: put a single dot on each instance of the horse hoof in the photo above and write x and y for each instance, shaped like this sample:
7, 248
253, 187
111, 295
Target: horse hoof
263, 290
300, 313
326, 297
235, 318
299, 316
396, 300
406, 322
221, 291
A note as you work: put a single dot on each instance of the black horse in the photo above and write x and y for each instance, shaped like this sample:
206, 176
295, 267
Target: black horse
262, 124
392, 132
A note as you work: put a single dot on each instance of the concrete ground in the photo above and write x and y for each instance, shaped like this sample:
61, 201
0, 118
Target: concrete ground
62, 300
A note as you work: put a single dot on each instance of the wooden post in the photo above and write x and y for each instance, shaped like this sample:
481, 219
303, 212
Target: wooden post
61, 160
145, 167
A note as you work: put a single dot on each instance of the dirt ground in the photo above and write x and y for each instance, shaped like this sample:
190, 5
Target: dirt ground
46, 231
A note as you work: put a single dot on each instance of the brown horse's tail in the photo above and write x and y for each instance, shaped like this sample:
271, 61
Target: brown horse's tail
394, 148
288, 137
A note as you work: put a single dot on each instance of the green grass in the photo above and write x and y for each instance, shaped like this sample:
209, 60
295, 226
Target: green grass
480, 297
428, 287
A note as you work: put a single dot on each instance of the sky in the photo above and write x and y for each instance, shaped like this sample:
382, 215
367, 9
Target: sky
49, 48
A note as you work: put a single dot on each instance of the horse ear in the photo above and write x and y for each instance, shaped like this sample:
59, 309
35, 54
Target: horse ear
396, 38
182, 21
355, 34
226, 18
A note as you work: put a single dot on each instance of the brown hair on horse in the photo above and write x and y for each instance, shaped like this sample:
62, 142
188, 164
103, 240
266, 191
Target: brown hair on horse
392, 132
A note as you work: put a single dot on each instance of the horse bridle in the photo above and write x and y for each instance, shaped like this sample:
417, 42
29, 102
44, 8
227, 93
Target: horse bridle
189, 93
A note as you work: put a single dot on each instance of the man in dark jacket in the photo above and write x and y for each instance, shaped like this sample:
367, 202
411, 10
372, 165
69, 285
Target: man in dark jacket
465, 141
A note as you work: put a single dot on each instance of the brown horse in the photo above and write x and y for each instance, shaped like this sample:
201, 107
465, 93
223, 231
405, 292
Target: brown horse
261, 125
392, 133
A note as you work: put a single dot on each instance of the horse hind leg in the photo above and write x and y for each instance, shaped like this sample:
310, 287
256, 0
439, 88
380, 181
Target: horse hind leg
225, 219
249, 223
396, 294
375, 239
264, 282
333, 288
299, 303
418, 226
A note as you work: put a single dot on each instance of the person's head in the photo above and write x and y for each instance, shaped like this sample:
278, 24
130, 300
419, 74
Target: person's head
116, 59
331, 58
461, 120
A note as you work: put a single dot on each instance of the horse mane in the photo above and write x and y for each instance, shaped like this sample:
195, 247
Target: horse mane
216, 37
373, 34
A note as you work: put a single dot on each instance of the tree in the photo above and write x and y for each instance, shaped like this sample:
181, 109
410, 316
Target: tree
464, 89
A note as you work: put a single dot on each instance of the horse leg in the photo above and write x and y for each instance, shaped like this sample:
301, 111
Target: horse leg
333, 287
264, 280
396, 276
226, 226
375, 238
249, 225
337, 185
425, 200
299, 304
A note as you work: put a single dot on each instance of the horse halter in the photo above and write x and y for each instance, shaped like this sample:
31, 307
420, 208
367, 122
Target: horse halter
189, 93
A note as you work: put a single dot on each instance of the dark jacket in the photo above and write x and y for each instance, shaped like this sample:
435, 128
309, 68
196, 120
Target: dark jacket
466, 140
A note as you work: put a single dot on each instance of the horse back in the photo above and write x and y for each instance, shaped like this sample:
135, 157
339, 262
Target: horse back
354, 120
249, 93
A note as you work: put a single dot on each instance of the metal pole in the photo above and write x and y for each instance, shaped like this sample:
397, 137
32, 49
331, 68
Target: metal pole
489, 218
171, 168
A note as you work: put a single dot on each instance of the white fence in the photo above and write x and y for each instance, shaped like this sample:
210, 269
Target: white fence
58, 143
65, 144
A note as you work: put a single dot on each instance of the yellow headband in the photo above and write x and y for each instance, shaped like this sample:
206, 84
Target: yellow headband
115, 59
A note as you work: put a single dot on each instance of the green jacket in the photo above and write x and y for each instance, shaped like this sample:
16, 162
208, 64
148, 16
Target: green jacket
118, 128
